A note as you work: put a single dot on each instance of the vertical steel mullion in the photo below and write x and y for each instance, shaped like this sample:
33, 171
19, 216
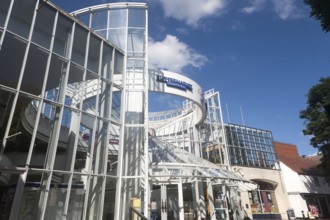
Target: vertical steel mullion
118, 204
200, 146
99, 150
109, 111
224, 137
108, 116
6, 22
95, 127
146, 121
108, 24
75, 147
98, 103
82, 97
51, 152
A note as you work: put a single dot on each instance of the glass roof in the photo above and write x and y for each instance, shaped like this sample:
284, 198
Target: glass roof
171, 163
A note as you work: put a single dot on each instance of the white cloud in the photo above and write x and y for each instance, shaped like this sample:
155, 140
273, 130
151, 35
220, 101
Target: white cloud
256, 5
192, 11
173, 55
283, 8
286, 9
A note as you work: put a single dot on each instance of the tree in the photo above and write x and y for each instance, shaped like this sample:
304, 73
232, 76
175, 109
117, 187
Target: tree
317, 122
320, 11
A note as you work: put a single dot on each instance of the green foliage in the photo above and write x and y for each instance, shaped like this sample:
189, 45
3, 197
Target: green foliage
320, 11
317, 121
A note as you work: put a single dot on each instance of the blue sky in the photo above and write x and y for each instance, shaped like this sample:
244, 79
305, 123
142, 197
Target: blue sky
261, 55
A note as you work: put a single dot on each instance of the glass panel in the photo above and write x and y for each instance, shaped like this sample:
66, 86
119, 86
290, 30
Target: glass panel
45, 128
93, 55
94, 199
6, 100
12, 52
21, 17
172, 202
84, 18
85, 144
62, 35
67, 140
117, 18
8, 182
113, 150
56, 197
43, 28
137, 17
79, 45
104, 100
90, 92
106, 62
119, 62
56, 72
100, 153
77, 197
19, 133
109, 199
188, 200
34, 71
99, 19
102, 33
118, 37
74, 88
135, 41
3, 11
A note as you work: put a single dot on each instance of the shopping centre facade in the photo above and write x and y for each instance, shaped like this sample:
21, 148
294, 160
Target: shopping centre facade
78, 141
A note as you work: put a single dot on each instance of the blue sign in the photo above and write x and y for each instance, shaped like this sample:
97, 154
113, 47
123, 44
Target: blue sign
174, 83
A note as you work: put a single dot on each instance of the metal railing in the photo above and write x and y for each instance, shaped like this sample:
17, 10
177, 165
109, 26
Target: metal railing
135, 214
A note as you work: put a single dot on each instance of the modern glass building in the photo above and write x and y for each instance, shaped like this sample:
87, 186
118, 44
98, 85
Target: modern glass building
77, 139
250, 146
252, 154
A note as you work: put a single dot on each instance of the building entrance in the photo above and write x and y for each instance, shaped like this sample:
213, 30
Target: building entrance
167, 200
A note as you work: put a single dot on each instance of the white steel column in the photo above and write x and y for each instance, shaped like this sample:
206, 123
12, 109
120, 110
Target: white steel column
223, 133
180, 198
145, 168
196, 205
210, 199
163, 202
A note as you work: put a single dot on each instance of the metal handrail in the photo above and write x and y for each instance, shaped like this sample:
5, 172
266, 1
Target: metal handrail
133, 211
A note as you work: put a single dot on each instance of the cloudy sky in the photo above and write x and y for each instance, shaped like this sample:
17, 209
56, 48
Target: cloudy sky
261, 55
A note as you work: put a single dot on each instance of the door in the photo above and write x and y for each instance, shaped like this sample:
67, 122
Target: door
171, 203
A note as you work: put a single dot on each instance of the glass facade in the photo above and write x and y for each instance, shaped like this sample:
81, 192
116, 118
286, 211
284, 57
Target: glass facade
250, 147
58, 106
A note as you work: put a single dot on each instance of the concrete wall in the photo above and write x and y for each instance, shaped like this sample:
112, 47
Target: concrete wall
270, 176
